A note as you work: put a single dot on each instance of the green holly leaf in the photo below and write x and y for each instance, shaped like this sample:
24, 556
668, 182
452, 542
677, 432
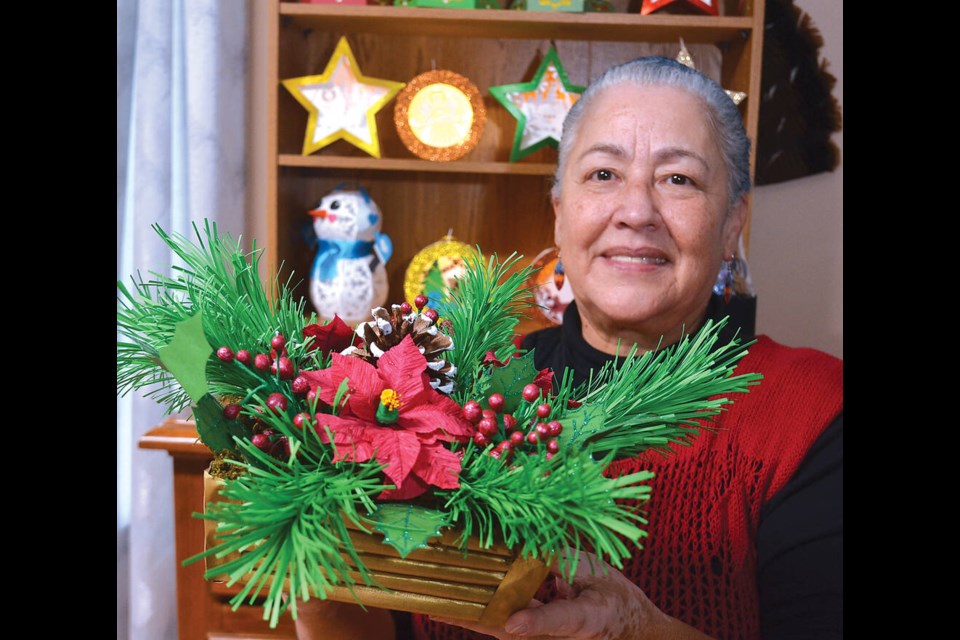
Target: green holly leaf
214, 430
407, 527
580, 424
511, 379
185, 357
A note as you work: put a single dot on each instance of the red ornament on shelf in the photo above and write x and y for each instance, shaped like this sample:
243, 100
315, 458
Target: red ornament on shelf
709, 7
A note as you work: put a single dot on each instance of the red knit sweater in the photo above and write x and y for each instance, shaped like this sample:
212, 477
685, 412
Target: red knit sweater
699, 562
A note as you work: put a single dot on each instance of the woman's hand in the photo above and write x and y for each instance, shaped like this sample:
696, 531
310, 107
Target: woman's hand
600, 604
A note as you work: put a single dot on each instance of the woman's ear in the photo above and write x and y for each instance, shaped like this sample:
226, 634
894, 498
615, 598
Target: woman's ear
733, 226
557, 235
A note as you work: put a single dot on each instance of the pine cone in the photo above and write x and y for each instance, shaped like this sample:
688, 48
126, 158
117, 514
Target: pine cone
389, 327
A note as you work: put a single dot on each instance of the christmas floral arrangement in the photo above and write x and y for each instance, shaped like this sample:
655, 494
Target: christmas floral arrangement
407, 426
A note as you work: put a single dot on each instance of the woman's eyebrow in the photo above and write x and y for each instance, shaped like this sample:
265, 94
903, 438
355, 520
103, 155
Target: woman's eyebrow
678, 153
667, 154
606, 148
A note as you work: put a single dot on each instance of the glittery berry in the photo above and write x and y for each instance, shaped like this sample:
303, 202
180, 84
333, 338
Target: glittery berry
472, 411
554, 428
262, 362
543, 410
420, 301
231, 411
431, 314
225, 354
405, 307
300, 419
496, 402
277, 402
244, 356
509, 422
261, 441
284, 366
553, 446
278, 342
300, 386
531, 392
488, 427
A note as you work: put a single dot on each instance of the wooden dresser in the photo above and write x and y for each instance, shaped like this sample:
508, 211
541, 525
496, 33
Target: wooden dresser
203, 609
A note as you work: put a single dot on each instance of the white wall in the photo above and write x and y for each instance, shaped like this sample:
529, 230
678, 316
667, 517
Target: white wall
796, 236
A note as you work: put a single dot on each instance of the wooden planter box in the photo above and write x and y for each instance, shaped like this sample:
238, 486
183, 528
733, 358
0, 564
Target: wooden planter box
484, 585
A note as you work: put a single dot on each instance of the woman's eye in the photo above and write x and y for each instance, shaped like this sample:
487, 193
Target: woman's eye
603, 175
678, 179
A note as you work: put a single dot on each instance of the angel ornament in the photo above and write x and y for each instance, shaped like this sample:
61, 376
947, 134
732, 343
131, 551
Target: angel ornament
348, 277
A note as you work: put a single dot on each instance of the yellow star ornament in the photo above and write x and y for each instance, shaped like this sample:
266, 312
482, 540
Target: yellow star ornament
342, 102
686, 59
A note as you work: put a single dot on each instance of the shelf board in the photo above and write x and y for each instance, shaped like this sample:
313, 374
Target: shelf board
424, 166
524, 25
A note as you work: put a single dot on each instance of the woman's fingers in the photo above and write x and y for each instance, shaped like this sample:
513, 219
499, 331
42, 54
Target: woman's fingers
588, 614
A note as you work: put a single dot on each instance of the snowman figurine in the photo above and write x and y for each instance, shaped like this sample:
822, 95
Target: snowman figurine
348, 277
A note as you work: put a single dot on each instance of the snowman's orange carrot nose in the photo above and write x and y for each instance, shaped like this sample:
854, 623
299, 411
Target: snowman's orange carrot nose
318, 213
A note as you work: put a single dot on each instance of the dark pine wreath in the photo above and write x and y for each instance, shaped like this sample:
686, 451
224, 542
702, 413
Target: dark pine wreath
798, 112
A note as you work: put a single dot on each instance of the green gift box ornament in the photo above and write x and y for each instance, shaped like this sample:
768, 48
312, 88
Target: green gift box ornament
574, 6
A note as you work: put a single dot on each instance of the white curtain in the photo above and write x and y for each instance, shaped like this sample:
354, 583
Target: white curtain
181, 95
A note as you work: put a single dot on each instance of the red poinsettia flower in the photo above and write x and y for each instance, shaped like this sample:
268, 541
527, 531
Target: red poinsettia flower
392, 414
334, 336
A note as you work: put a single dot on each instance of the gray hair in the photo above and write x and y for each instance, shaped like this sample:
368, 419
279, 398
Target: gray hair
722, 114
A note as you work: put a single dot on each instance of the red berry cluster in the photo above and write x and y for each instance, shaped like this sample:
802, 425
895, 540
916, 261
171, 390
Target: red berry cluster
504, 431
273, 443
279, 364
421, 302
277, 361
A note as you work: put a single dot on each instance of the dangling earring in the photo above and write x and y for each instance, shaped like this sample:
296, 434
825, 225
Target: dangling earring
727, 271
558, 273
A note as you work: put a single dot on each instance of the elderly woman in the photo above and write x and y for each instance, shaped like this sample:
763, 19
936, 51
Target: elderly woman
746, 525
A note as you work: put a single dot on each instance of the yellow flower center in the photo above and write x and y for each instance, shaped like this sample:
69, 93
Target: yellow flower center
390, 399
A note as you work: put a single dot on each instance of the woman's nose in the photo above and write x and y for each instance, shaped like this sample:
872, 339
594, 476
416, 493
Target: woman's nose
637, 206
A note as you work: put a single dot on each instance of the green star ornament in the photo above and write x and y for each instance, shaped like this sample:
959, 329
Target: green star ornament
539, 106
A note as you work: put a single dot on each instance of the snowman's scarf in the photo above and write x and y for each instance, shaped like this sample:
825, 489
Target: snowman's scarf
331, 251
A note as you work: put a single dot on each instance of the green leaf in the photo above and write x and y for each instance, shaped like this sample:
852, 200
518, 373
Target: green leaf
407, 527
185, 357
581, 423
339, 399
511, 379
214, 430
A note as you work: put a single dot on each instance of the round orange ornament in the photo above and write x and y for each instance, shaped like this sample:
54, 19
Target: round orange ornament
440, 116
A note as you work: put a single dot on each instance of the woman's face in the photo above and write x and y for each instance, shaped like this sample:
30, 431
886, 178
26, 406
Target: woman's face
642, 215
